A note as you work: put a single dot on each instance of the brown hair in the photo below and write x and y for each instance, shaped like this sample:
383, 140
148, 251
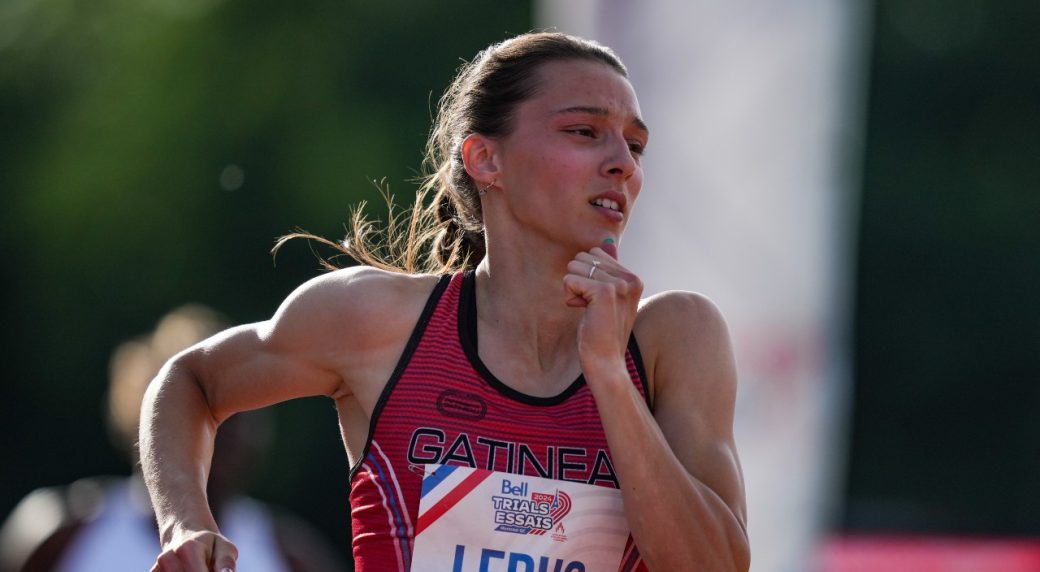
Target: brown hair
481, 99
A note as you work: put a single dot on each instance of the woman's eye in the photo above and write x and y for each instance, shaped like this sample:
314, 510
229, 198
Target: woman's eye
583, 131
636, 147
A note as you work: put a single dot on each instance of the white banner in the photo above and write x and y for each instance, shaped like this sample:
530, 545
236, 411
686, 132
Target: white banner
749, 196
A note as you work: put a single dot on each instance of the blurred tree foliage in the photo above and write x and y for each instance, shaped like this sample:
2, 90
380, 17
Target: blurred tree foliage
151, 151
947, 401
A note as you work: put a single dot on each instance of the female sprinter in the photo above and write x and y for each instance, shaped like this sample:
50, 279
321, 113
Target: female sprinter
507, 402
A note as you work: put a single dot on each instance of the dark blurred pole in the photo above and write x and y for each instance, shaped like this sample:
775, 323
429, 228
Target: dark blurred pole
948, 321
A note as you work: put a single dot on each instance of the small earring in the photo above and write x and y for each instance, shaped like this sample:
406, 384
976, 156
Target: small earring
484, 191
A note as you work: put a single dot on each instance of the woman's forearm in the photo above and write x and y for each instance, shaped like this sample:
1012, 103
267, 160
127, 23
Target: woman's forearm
678, 522
177, 433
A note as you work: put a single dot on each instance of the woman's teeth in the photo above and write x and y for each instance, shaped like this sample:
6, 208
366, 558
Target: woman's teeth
607, 204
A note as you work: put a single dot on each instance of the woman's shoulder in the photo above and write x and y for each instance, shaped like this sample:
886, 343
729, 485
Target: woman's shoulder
356, 300
679, 320
680, 309
685, 345
363, 288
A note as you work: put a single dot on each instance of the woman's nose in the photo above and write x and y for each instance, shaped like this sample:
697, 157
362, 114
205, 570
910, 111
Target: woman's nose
621, 162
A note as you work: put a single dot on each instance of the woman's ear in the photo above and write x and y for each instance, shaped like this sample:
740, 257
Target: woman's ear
480, 159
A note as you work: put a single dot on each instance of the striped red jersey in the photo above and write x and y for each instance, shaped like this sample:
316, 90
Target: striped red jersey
441, 405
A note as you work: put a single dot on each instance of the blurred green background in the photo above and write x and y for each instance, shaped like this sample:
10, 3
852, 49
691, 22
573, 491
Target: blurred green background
151, 151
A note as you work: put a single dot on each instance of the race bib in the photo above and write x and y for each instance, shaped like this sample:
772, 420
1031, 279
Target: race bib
473, 520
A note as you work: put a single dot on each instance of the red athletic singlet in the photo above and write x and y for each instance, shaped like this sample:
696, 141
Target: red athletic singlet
442, 405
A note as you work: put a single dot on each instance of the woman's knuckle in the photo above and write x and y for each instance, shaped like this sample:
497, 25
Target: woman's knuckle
188, 548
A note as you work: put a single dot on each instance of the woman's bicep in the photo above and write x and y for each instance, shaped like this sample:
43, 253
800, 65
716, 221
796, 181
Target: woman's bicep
324, 332
248, 367
695, 395
293, 354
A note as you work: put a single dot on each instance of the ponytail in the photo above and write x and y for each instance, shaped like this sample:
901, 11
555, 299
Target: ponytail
459, 244
431, 240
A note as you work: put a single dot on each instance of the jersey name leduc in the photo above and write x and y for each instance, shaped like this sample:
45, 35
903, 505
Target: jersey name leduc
479, 520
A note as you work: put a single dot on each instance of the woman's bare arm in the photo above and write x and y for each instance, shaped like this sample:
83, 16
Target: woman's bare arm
678, 468
693, 513
304, 350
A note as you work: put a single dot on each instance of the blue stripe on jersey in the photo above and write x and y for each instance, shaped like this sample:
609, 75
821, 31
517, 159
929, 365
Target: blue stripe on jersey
395, 509
435, 478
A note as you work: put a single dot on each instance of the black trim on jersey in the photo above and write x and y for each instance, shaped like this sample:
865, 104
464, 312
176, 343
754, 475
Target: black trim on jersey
637, 357
468, 337
406, 357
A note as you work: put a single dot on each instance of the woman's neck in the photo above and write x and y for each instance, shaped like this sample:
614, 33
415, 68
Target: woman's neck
526, 332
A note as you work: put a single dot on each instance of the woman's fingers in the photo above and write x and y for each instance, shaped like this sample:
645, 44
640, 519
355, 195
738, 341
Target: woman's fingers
183, 559
595, 264
594, 274
202, 552
610, 293
224, 555
167, 563
590, 270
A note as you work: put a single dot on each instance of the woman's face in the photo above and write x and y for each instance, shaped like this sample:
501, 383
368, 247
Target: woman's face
570, 168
